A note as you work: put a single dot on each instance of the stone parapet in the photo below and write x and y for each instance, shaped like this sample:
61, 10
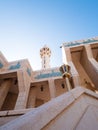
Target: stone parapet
50, 115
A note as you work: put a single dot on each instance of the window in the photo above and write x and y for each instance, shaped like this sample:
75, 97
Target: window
63, 86
41, 88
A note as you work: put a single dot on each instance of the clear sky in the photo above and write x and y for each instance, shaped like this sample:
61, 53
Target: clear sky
27, 25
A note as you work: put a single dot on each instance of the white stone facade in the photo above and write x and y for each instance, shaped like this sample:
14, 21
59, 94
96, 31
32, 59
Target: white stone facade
45, 94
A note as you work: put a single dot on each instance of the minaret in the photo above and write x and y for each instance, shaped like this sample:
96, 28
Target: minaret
45, 54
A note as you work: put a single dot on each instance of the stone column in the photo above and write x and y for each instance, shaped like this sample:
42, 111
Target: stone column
90, 64
52, 88
21, 101
24, 85
68, 60
75, 75
4, 88
32, 97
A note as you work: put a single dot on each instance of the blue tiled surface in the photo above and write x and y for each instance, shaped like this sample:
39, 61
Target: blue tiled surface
1, 65
79, 43
47, 75
17, 66
29, 71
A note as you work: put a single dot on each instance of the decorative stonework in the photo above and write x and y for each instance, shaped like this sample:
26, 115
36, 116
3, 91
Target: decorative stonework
17, 66
1, 65
45, 51
29, 71
47, 75
68, 44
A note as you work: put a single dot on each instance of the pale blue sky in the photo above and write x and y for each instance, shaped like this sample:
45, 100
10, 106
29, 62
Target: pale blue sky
26, 25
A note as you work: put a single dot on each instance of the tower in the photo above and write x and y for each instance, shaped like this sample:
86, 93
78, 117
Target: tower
45, 54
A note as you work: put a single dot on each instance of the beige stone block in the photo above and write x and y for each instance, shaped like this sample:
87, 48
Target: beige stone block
20, 111
89, 51
76, 80
68, 54
89, 120
77, 92
69, 117
91, 93
4, 120
3, 113
52, 88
